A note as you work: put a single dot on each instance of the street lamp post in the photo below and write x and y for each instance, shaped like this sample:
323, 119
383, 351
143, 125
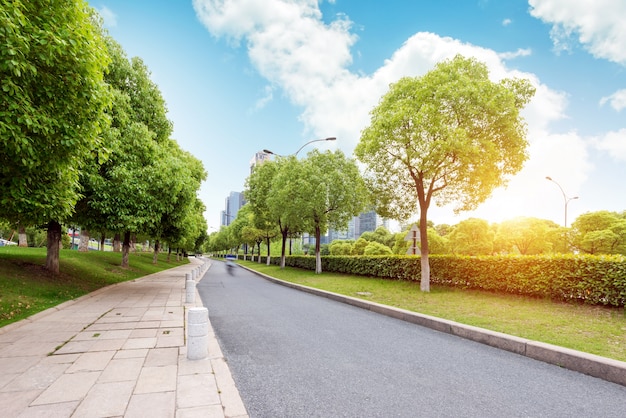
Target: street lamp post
565, 198
332, 138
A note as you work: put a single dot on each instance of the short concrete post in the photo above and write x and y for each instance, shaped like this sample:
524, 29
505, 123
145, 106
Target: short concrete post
190, 294
193, 274
197, 333
187, 278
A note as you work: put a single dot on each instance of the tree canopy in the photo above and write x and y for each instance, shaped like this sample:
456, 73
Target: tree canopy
52, 64
84, 136
450, 136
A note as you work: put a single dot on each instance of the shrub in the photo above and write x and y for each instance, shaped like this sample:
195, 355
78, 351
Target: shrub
599, 280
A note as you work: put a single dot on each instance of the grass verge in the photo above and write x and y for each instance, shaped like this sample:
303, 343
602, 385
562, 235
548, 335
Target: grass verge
26, 287
592, 329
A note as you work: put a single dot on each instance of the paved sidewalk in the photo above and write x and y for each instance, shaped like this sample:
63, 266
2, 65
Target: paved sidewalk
119, 351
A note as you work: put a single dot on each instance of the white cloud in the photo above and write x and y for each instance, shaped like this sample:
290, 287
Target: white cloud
614, 143
290, 45
599, 25
110, 18
521, 52
617, 100
268, 96
506, 22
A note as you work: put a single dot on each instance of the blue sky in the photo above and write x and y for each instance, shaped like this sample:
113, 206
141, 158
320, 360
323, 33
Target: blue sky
240, 76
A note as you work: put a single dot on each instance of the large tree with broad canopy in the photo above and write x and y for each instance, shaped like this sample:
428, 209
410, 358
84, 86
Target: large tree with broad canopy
451, 135
52, 64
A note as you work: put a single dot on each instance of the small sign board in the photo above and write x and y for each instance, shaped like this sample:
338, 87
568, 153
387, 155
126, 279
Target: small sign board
412, 235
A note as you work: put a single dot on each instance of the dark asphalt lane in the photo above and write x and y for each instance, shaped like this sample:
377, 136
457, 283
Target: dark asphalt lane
293, 354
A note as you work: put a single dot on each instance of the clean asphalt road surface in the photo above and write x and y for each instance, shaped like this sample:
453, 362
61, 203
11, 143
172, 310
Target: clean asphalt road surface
293, 354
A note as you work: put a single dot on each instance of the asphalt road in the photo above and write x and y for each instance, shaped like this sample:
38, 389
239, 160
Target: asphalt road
293, 354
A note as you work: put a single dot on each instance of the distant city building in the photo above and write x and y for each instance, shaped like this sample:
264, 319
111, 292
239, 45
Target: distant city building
233, 203
367, 221
258, 159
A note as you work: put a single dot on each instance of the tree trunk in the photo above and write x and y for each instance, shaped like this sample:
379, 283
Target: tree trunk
284, 248
169, 254
102, 239
53, 247
83, 245
125, 249
117, 247
267, 261
22, 240
318, 255
258, 250
424, 264
155, 257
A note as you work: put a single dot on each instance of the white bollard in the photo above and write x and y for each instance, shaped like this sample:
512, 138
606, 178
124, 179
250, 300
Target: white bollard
197, 333
193, 274
190, 294
187, 278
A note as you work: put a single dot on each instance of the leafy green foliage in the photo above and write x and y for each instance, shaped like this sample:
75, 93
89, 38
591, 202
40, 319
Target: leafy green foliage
526, 236
596, 280
336, 193
471, 237
450, 136
52, 61
601, 232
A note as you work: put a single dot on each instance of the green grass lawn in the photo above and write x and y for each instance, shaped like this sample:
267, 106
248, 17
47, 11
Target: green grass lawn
592, 329
27, 288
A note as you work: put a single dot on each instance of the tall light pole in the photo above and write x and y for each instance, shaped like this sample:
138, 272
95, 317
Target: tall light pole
332, 138
565, 198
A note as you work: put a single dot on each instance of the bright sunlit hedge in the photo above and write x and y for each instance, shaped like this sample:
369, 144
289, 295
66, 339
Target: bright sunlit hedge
598, 280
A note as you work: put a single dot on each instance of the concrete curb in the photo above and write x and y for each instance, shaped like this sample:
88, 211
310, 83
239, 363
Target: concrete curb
597, 366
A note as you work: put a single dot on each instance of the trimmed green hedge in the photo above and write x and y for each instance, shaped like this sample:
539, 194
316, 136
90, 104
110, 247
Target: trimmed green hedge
598, 280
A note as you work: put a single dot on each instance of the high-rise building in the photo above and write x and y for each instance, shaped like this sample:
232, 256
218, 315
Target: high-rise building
368, 221
258, 159
233, 203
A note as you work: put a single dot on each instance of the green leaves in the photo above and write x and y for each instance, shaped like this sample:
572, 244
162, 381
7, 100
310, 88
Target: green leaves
52, 105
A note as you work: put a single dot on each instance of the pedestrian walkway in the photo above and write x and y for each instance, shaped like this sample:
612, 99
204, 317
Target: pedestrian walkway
117, 352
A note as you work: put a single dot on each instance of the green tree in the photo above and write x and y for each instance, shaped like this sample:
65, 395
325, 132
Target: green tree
451, 135
258, 188
381, 235
52, 62
471, 237
286, 197
524, 235
127, 194
359, 246
436, 243
334, 193
376, 248
181, 221
341, 247
601, 232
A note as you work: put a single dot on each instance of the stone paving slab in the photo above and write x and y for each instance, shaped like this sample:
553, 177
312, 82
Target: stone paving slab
117, 352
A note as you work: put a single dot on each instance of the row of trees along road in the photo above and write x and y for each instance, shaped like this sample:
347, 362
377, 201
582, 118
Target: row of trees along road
600, 232
290, 196
84, 136
450, 136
